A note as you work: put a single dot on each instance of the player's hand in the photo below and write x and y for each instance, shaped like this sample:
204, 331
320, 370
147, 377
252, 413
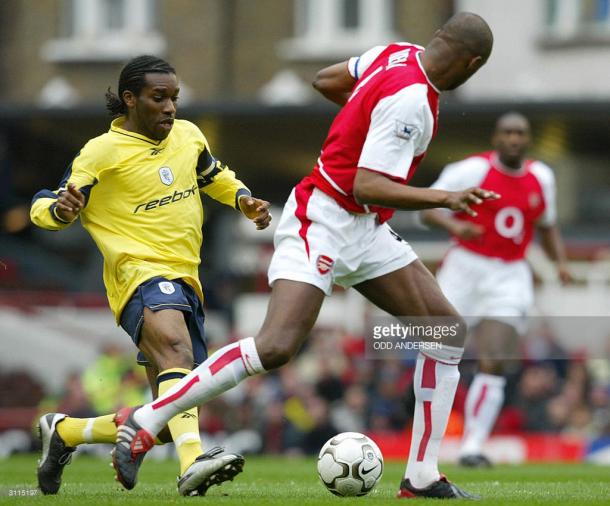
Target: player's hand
256, 210
70, 203
565, 276
461, 201
467, 230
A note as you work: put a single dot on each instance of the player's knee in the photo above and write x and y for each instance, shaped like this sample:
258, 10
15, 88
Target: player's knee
492, 366
175, 352
463, 328
183, 354
457, 335
274, 354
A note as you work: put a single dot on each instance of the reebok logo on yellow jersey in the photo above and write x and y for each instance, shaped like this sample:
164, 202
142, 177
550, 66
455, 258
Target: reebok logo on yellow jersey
168, 199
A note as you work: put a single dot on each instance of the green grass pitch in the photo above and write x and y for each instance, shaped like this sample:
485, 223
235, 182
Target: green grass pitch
281, 481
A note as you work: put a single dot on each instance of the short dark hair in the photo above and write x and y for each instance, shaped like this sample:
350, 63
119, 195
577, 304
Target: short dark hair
471, 32
132, 78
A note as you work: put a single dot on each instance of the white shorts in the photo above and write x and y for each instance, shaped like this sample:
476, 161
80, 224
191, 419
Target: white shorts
483, 287
320, 243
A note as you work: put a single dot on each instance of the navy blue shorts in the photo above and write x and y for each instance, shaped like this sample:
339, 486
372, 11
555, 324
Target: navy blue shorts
157, 294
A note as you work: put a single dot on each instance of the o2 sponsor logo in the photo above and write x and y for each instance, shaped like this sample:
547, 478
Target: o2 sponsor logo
509, 223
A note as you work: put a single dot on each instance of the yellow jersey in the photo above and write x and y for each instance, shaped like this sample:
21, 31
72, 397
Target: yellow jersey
143, 204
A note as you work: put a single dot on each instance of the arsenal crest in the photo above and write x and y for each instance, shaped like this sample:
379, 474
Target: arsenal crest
534, 200
324, 264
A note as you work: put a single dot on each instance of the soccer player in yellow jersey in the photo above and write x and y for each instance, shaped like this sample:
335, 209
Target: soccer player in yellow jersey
137, 191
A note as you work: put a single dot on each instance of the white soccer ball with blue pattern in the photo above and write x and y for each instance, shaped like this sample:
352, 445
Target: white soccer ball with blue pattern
350, 464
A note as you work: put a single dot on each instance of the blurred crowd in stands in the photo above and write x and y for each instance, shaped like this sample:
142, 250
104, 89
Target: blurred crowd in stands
331, 387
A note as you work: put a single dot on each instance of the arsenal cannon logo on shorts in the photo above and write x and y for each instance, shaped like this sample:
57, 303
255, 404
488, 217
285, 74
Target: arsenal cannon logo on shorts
324, 264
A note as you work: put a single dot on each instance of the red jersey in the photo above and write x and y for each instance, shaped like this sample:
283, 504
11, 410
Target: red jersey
386, 125
527, 199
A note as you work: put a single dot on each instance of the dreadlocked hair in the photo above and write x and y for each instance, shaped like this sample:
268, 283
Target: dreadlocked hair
132, 78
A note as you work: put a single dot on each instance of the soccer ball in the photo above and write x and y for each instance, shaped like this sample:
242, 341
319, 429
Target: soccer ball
350, 464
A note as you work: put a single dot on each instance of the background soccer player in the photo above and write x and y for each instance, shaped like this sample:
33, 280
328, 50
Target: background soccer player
137, 190
485, 274
333, 230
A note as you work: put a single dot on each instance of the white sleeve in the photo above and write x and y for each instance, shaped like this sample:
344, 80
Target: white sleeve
357, 65
400, 129
463, 174
546, 178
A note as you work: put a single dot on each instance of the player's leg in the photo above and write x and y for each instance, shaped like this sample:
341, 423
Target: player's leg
102, 429
293, 309
152, 372
496, 342
292, 312
503, 295
166, 342
173, 338
165, 320
60, 435
413, 291
76, 431
203, 471
462, 277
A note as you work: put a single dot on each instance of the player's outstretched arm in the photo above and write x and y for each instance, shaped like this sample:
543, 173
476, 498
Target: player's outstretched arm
553, 246
335, 83
256, 210
374, 188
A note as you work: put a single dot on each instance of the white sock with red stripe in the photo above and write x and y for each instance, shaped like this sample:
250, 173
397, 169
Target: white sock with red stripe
434, 384
483, 403
219, 373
